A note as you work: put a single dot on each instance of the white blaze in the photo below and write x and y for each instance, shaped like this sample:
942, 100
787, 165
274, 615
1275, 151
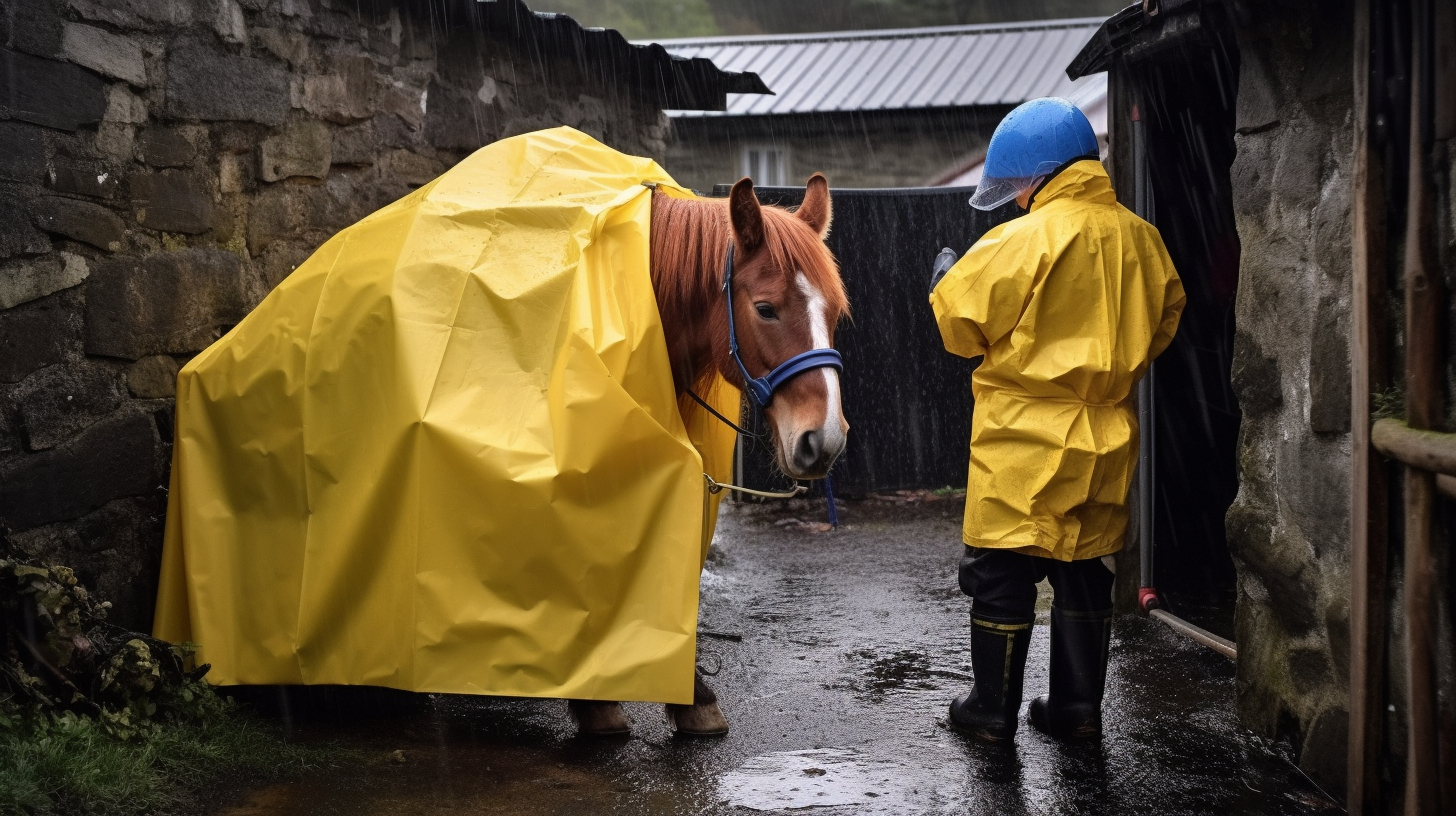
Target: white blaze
819, 332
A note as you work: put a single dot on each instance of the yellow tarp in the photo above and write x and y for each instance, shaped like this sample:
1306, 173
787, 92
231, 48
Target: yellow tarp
1069, 304
446, 455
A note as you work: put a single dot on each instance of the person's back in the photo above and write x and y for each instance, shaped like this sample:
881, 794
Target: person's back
1068, 305
1093, 273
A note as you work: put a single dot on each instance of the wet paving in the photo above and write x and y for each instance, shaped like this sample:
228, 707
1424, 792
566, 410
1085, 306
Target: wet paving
835, 654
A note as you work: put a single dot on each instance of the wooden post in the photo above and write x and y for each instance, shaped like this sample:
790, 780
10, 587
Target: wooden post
1423, 303
1368, 490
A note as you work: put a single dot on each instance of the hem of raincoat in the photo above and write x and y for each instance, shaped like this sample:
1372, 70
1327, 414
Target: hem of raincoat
1066, 555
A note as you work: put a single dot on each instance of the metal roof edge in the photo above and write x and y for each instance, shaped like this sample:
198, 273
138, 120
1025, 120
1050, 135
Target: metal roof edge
677, 82
878, 33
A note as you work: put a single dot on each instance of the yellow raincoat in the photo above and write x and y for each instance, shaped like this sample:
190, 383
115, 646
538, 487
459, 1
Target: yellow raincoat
1069, 304
446, 453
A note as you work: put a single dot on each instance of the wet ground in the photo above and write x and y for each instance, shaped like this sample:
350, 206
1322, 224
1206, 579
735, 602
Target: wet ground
837, 653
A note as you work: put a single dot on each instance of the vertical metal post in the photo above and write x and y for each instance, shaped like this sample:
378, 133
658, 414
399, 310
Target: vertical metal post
1369, 547
1146, 417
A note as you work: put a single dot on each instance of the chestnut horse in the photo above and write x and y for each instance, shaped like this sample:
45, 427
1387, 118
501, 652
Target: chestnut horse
787, 298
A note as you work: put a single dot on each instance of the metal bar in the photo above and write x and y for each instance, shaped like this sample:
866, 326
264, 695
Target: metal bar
1144, 388
1223, 646
1421, 449
1369, 548
1423, 302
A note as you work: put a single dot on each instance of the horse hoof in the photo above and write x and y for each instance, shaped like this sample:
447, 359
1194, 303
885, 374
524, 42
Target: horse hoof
698, 720
598, 718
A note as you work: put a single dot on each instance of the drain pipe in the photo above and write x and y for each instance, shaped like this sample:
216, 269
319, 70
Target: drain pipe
1148, 600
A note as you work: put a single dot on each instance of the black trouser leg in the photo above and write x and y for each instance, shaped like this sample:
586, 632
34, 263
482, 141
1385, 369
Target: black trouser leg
1081, 633
1003, 588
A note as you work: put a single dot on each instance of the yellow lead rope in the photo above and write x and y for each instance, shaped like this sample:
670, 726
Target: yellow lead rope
715, 487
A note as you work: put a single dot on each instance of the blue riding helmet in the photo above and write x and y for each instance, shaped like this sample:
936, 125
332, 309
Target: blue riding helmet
1029, 144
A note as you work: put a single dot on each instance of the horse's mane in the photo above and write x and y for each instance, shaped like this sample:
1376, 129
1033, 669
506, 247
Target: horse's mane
688, 252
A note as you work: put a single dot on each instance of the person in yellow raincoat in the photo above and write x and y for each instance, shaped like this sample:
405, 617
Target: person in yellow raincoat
1068, 305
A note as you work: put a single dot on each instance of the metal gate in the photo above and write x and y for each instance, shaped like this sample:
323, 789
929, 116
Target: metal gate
907, 400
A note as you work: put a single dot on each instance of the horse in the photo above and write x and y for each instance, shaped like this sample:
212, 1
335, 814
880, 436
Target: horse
787, 297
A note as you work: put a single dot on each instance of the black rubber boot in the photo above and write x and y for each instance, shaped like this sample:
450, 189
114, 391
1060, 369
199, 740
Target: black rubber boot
1073, 707
989, 711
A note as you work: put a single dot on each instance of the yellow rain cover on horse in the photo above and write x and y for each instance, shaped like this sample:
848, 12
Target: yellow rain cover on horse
446, 455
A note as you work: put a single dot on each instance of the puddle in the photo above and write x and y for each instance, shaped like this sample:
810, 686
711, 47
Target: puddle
905, 669
820, 777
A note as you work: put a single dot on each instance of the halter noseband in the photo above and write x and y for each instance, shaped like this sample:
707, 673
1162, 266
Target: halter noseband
761, 390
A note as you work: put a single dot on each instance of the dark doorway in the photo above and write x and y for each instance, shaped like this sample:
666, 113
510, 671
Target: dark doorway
1177, 111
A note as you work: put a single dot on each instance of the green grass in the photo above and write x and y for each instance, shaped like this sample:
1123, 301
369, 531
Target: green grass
67, 764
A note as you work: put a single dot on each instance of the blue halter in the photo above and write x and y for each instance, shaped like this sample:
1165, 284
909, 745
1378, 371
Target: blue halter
761, 390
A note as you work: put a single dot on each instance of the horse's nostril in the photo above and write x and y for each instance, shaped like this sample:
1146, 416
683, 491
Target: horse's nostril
806, 452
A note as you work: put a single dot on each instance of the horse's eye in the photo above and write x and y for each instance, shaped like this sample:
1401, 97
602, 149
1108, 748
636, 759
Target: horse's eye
766, 311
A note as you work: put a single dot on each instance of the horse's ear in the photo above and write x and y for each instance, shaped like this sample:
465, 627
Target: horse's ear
816, 211
747, 218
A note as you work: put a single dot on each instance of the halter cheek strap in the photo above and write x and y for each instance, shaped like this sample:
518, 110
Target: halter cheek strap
761, 389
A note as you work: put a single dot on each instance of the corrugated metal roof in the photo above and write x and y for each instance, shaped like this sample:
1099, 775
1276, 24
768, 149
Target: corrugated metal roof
946, 66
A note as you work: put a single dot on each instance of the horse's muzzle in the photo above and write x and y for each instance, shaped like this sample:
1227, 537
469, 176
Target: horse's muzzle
813, 454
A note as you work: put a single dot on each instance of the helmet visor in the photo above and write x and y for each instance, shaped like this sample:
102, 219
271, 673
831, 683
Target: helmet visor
993, 192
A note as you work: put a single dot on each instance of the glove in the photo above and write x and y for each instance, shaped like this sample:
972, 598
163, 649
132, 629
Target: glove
943, 262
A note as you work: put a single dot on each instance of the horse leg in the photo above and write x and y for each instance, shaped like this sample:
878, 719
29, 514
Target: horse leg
701, 719
599, 718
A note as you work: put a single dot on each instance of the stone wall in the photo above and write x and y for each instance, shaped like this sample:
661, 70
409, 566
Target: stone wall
163, 165
892, 149
1289, 527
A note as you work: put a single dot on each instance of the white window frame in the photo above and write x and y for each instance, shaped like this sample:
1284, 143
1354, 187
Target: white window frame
757, 161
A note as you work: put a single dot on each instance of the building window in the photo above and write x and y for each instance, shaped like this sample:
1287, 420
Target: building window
767, 165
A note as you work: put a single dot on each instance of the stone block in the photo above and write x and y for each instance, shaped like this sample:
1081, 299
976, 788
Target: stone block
153, 377
166, 147
229, 23
103, 52
233, 173
55, 94
60, 401
289, 46
146, 15
123, 106
34, 27
407, 102
349, 96
36, 335
409, 168
115, 552
22, 152
210, 84
28, 279
112, 459
166, 303
17, 235
115, 143
304, 148
456, 119
355, 145
172, 201
83, 177
79, 220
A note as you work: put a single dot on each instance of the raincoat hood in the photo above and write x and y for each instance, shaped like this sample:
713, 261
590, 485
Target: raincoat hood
446, 453
1068, 304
